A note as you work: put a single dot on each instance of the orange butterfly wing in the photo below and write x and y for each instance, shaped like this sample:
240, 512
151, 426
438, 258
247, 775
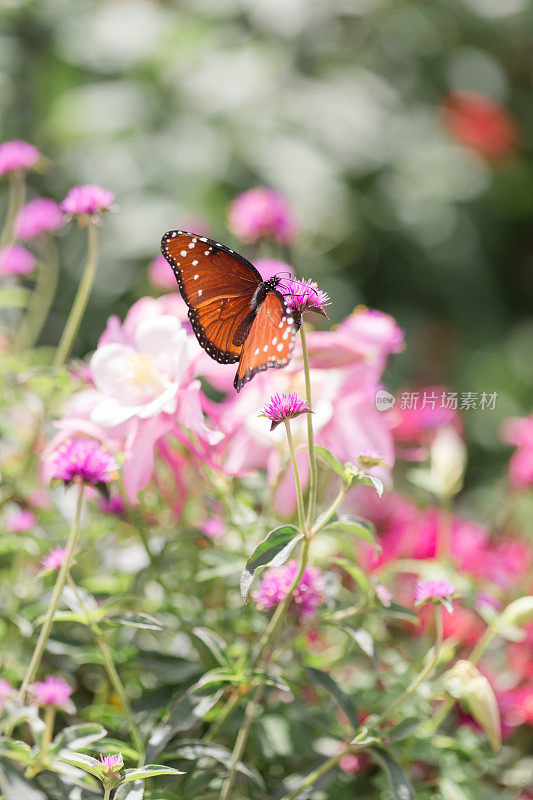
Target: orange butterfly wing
270, 341
218, 285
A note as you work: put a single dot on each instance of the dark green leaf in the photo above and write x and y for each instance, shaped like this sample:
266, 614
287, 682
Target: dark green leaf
215, 644
273, 551
403, 729
399, 782
326, 682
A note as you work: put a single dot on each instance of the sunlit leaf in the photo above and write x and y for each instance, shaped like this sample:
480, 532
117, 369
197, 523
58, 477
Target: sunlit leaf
149, 771
273, 551
215, 644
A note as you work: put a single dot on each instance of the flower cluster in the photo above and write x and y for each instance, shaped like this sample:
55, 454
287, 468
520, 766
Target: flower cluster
307, 597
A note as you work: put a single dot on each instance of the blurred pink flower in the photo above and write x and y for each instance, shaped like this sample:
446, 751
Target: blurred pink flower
416, 425
39, 216
429, 591
276, 583
269, 267
20, 521
54, 558
383, 594
52, 692
161, 275
213, 528
283, 407
17, 155
16, 260
262, 214
520, 708
519, 432
115, 505
81, 460
87, 199
6, 691
520, 656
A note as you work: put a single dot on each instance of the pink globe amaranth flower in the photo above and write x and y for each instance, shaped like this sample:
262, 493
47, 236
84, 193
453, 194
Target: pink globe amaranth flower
88, 199
213, 528
115, 505
282, 407
434, 591
304, 295
161, 275
54, 558
111, 762
20, 521
262, 214
52, 692
37, 217
17, 155
81, 460
274, 587
16, 260
6, 691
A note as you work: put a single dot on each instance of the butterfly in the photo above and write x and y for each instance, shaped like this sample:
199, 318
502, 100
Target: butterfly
235, 314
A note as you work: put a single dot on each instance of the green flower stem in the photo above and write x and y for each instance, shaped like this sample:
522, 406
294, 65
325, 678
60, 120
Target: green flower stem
17, 193
313, 471
325, 517
240, 742
226, 712
82, 298
299, 495
72, 540
114, 677
107, 793
41, 298
475, 657
426, 671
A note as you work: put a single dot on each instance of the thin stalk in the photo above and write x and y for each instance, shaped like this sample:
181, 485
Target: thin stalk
17, 193
240, 742
107, 793
41, 298
82, 298
426, 671
49, 720
325, 517
314, 776
227, 711
299, 495
313, 471
56, 594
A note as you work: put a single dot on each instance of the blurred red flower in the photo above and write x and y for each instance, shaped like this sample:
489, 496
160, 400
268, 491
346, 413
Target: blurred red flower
480, 123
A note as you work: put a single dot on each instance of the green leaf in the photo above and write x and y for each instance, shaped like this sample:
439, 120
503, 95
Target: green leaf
364, 641
331, 461
356, 527
215, 644
403, 729
182, 716
14, 787
354, 477
136, 619
125, 792
399, 782
86, 763
216, 677
355, 572
15, 750
149, 771
76, 737
273, 551
194, 750
325, 681
401, 612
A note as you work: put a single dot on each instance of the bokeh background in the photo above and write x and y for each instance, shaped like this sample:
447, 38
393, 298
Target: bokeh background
400, 132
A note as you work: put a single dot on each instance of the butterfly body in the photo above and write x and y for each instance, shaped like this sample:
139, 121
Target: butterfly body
235, 315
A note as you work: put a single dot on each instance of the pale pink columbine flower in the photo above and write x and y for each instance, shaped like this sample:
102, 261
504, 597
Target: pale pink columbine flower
87, 200
302, 296
54, 558
434, 591
20, 521
81, 460
282, 407
37, 217
6, 691
161, 275
52, 692
262, 214
274, 587
16, 260
17, 155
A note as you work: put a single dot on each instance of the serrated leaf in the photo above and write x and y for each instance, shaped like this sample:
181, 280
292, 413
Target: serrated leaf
331, 461
215, 644
325, 681
399, 782
149, 771
273, 551
136, 619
